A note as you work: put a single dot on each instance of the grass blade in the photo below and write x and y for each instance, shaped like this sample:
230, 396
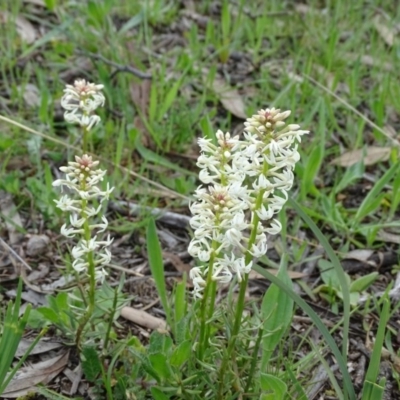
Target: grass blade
277, 312
347, 381
372, 390
157, 266
338, 269
365, 207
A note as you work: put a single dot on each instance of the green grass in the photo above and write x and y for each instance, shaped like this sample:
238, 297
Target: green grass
310, 60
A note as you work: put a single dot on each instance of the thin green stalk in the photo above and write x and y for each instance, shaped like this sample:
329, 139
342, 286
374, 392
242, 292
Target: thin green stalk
114, 309
241, 297
92, 286
85, 140
243, 284
205, 300
254, 358
106, 382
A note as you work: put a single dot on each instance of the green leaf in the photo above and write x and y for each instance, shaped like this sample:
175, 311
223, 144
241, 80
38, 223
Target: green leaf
275, 386
354, 298
182, 330
368, 208
311, 171
374, 197
364, 282
328, 274
356, 171
160, 364
155, 158
157, 266
180, 299
342, 277
158, 394
157, 342
370, 388
50, 395
180, 304
146, 365
91, 364
37, 320
49, 314
347, 381
62, 301
50, 4
169, 98
11, 335
181, 354
277, 311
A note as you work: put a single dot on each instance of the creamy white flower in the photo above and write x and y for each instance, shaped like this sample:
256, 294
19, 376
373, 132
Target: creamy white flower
80, 101
75, 221
79, 265
275, 227
101, 274
101, 227
196, 275
265, 213
70, 232
259, 249
221, 273
67, 204
77, 252
248, 181
82, 176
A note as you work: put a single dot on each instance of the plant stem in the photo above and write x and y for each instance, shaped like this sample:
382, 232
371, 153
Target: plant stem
241, 297
203, 340
92, 286
85, 140
114, 309
254, 357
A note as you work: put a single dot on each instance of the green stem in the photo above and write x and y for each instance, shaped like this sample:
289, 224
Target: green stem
85, 140
114, 309
92, 283
241, 297
208, 292
254, 358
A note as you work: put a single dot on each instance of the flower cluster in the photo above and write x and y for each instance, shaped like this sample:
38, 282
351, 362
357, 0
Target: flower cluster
80, 100
247, 182
82, 178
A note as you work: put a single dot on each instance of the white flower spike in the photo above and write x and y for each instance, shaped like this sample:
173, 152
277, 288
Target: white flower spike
247, 183
82, 176
80, 101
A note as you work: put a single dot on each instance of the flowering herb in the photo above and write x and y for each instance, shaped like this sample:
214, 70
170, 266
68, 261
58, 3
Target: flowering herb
84, 203
80, 101
82, 177
252, 174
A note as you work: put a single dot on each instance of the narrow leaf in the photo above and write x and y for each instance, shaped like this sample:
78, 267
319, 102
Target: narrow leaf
277, 310
376, 191
363, 283
157, 266
347, 381
345, 290
374, 364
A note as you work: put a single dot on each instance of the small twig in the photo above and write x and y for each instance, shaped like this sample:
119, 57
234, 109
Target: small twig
167, 217
11, 251
119, 67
